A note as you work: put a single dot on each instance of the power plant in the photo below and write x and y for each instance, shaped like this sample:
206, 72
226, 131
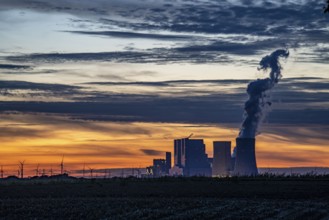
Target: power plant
190, 158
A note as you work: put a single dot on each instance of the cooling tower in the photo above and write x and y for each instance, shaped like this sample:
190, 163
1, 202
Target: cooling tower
245, 162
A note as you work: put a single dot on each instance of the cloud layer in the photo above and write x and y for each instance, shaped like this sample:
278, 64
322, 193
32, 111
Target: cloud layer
87, 73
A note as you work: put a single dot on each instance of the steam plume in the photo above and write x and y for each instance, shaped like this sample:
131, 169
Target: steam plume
255, 107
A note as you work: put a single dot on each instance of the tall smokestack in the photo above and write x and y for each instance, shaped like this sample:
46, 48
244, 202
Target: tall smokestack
168, 162
245, 162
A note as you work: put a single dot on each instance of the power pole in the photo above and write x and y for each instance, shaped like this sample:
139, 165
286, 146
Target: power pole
51, 170
1, 172
91, 172
62, 166
37, 170
21, 167
84, 169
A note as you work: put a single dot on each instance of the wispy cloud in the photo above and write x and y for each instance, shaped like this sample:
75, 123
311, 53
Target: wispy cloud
160, 55
151, 152
123, 34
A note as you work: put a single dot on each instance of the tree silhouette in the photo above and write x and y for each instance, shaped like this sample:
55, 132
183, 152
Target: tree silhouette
326, 8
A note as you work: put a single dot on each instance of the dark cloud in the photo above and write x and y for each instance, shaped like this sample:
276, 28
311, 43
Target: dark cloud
7, 133
315, 86
195, 16
211, 109
122, 34
235, 48
281, 157
303, 134
158, 110
173, 82
32, 72
305, 78
35, 86
285, 23
222, 17
25, 89
150, 56
316, 35
14, 66
76, 151
150, 152
215, 52
295, 101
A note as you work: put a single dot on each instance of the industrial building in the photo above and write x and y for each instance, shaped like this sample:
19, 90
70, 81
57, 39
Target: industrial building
160, 167
168, 162
190, 157
222, 164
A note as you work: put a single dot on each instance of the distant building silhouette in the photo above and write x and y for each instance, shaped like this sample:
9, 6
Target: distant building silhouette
178, 153
168, 162
222, 158
190, 156
159, 167
176, 171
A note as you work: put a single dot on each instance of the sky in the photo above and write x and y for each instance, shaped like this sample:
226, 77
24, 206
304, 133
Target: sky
110, 84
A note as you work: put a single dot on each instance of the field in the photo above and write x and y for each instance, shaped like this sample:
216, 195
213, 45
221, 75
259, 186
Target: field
167, 198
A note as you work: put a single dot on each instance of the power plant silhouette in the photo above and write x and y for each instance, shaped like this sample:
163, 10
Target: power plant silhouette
190, 158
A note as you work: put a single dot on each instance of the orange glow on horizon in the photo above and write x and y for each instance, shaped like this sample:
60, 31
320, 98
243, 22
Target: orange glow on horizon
43, 139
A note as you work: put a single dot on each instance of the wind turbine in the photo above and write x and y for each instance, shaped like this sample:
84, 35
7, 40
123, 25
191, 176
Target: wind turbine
1, 172
51, 170
37, 170
91, 172
21, 168
62, 165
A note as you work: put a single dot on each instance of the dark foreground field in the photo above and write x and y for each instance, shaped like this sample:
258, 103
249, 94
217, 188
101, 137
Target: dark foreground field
167, 198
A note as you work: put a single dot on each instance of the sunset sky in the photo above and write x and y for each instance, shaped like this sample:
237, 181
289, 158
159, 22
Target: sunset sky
111, 83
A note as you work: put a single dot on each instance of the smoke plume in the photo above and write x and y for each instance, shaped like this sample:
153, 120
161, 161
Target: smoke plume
259, 100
